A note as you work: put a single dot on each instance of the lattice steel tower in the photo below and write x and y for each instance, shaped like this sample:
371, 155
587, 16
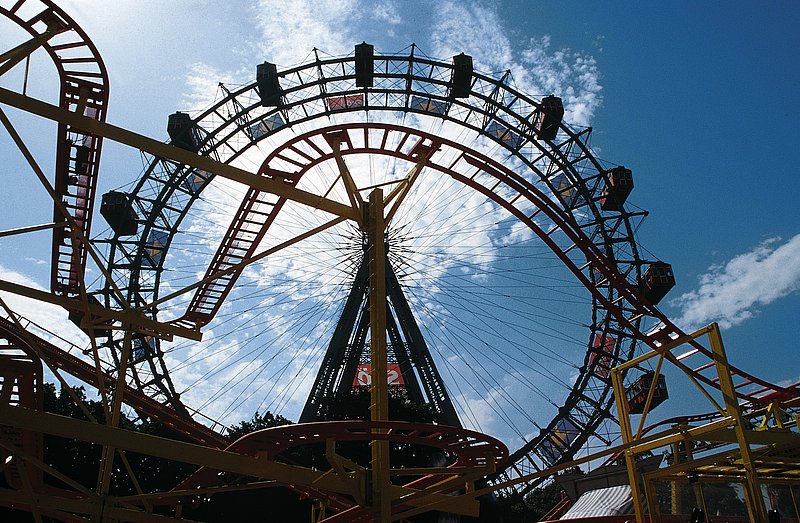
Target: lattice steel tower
410, 363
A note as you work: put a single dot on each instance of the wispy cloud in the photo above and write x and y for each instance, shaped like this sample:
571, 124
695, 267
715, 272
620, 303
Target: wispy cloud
733, 292
290, 30
202, 85
474, 29
51, 317
386, 12
537, 69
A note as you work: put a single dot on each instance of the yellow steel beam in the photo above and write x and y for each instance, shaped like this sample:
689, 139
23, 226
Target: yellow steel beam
666, 350
775, 413
627, 437
215, 489
28, 490
379, 389
16, 453
433, 497
752, 491
650, 394
463, 504
401, 191
244, 263
650, 493
33, 346
563, 466
219, 460
107, 458
715, 465
356, 201
75, 230
730, 428
171, 449
14, 56
154, 147
32, 228
67, 507
132, 475
338, 463
664, 347
701, 433
753, 437
97, 313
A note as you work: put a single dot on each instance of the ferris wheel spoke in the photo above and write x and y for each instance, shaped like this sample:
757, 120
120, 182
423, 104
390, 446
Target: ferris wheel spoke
238, 267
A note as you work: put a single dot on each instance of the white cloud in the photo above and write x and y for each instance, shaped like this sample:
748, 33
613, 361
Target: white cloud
202, 85
290, 30
51, 317
537, 70
386, 12
473, 29
732, 292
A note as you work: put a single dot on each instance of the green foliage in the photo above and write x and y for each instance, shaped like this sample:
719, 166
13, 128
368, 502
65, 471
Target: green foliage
541, 500
80, 459
257, 422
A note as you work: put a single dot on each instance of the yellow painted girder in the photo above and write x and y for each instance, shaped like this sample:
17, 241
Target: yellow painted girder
154, 147
138, 320
96, 508
171, 449
227, 461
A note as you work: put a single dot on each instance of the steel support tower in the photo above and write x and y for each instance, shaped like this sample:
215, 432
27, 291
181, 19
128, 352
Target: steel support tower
407, 349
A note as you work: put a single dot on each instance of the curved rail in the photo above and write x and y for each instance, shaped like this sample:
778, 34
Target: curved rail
83, 89
469, 451
57, 357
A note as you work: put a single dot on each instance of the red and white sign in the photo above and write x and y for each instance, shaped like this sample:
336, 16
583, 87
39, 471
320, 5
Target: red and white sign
364, 378
348, 101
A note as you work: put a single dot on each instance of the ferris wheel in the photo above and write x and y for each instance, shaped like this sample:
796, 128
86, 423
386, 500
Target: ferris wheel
512, 245
514, 280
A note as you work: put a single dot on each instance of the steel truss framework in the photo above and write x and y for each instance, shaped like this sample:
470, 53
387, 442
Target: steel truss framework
560, 182
750, 446
554, 188
564, 172
407, 349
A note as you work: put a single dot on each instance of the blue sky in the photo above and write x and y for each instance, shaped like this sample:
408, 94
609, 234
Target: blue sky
699, 100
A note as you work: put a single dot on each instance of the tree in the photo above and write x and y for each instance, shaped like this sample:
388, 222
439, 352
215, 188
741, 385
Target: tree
257, 422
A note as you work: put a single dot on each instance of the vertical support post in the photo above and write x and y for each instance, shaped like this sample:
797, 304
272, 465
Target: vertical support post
627, 437
652, 500
696, 486
676, 506
379, 390
756, 509
107, 459
794, 502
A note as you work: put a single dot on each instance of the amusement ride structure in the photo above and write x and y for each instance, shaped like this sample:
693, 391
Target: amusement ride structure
386, 223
